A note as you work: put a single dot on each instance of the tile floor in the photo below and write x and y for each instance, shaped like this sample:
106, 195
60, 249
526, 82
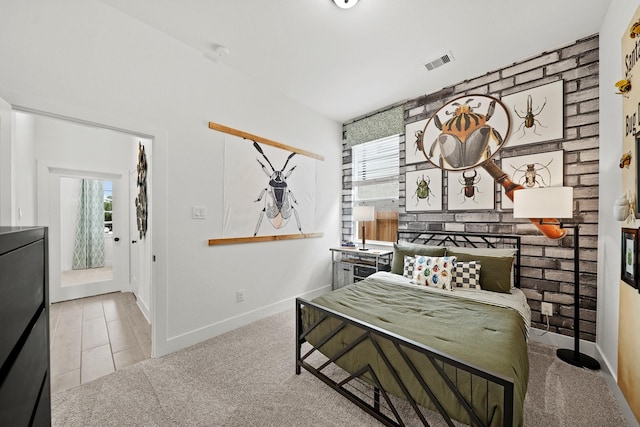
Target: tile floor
95, 336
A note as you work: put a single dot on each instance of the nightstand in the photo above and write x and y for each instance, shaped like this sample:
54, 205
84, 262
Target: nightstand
352, 265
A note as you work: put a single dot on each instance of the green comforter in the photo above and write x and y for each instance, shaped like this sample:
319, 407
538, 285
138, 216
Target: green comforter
489, 337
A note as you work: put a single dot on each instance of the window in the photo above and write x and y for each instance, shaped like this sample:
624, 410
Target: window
375, 183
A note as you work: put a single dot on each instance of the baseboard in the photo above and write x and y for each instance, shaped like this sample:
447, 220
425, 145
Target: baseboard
196, 336
591, 349
562, 341
143, 308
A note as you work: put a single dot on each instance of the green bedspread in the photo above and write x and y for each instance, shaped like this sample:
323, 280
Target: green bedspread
489, 337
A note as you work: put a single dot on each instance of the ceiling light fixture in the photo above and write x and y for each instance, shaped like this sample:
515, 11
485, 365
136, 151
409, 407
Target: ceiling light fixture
345, 4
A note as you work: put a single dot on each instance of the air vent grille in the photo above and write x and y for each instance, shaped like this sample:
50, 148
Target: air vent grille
439, 61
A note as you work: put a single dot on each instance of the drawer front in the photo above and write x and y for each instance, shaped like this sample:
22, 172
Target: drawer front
21, 293
20, 388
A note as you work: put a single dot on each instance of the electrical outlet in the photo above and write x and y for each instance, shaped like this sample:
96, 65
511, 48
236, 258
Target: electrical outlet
547, 309
240, 295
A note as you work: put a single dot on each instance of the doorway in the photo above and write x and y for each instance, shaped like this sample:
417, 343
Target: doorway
94, 255
69, 154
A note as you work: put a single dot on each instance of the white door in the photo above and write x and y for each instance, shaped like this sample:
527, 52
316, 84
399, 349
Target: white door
53, 211
133, 237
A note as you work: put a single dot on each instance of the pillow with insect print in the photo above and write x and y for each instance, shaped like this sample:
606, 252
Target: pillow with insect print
466, 274
409, 264
434, 271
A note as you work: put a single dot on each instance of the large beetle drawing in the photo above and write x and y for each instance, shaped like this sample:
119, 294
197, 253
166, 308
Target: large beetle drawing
464, 140
279, 204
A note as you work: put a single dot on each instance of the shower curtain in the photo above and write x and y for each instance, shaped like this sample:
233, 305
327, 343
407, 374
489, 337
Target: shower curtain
88, 250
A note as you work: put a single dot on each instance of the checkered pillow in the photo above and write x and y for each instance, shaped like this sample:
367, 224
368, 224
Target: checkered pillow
409, 263
466, 274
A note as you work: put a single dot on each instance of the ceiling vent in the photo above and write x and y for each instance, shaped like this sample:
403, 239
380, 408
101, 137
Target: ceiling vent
439, 61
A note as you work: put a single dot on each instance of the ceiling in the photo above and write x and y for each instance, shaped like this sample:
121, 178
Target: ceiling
344, 63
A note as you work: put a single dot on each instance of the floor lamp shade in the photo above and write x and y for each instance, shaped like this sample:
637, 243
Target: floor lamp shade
548, 204
363, 214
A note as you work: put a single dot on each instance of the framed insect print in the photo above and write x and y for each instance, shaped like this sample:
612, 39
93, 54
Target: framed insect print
629, 256
269, 189
534, 171
537, 114
472, 189
423, 190
414, 141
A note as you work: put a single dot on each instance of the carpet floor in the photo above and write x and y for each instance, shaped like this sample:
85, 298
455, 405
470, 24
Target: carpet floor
246, 377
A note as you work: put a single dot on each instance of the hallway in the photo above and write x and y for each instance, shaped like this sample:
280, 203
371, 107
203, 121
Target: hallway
95, 336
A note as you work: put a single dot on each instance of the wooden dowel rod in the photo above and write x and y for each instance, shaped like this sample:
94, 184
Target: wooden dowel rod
235, 240
256, 138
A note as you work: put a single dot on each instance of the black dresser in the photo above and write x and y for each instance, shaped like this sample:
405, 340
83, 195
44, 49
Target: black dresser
25, 391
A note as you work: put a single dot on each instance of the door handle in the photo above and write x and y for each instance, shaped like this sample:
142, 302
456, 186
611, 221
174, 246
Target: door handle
134, 241
116, 239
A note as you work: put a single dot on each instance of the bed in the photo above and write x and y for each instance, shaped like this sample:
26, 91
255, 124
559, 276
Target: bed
408, 353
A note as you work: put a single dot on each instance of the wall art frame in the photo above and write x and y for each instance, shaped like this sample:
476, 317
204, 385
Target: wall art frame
256, 146
533, 171
423, 189
537, 114
629, 256
413, 142
473, 189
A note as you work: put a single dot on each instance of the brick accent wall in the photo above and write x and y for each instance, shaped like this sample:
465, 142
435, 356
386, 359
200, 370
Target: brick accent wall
547, 273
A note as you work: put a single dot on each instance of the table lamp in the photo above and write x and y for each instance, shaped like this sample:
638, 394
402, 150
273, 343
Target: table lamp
363, 214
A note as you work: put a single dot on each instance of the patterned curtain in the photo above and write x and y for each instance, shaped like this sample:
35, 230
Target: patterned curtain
88, 250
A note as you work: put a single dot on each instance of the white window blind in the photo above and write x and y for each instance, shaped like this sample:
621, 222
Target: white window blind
375, 169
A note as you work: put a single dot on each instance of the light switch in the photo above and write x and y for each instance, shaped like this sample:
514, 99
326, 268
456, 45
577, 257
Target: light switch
199, 212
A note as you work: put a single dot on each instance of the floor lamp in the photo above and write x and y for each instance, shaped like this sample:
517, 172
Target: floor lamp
363, 214
548, 204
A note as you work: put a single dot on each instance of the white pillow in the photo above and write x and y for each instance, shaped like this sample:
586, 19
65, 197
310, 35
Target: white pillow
434, 271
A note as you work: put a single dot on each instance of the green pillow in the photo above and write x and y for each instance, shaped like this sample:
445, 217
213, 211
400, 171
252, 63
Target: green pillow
412, 249
496, 270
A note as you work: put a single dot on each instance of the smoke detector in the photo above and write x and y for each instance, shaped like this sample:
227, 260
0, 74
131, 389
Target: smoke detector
443, 59
345, 4
216, 52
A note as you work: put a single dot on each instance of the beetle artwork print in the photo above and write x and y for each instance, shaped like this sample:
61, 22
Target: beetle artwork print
419, 142
278, 205
531, 176
423, 192
464, 138
469, 187
529, 117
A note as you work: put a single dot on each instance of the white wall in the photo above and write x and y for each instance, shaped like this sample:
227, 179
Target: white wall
86, 60
24, 130
611, 121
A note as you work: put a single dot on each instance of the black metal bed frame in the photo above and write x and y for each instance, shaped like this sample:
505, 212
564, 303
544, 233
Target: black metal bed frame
370, 401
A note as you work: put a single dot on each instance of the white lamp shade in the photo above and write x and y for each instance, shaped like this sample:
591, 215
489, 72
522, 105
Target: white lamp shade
364, 213
547, 202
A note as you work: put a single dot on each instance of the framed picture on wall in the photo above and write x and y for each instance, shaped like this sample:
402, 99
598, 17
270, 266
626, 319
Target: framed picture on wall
534, 171
629, 256
537, 114
424, 190
413, 142
472, 189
